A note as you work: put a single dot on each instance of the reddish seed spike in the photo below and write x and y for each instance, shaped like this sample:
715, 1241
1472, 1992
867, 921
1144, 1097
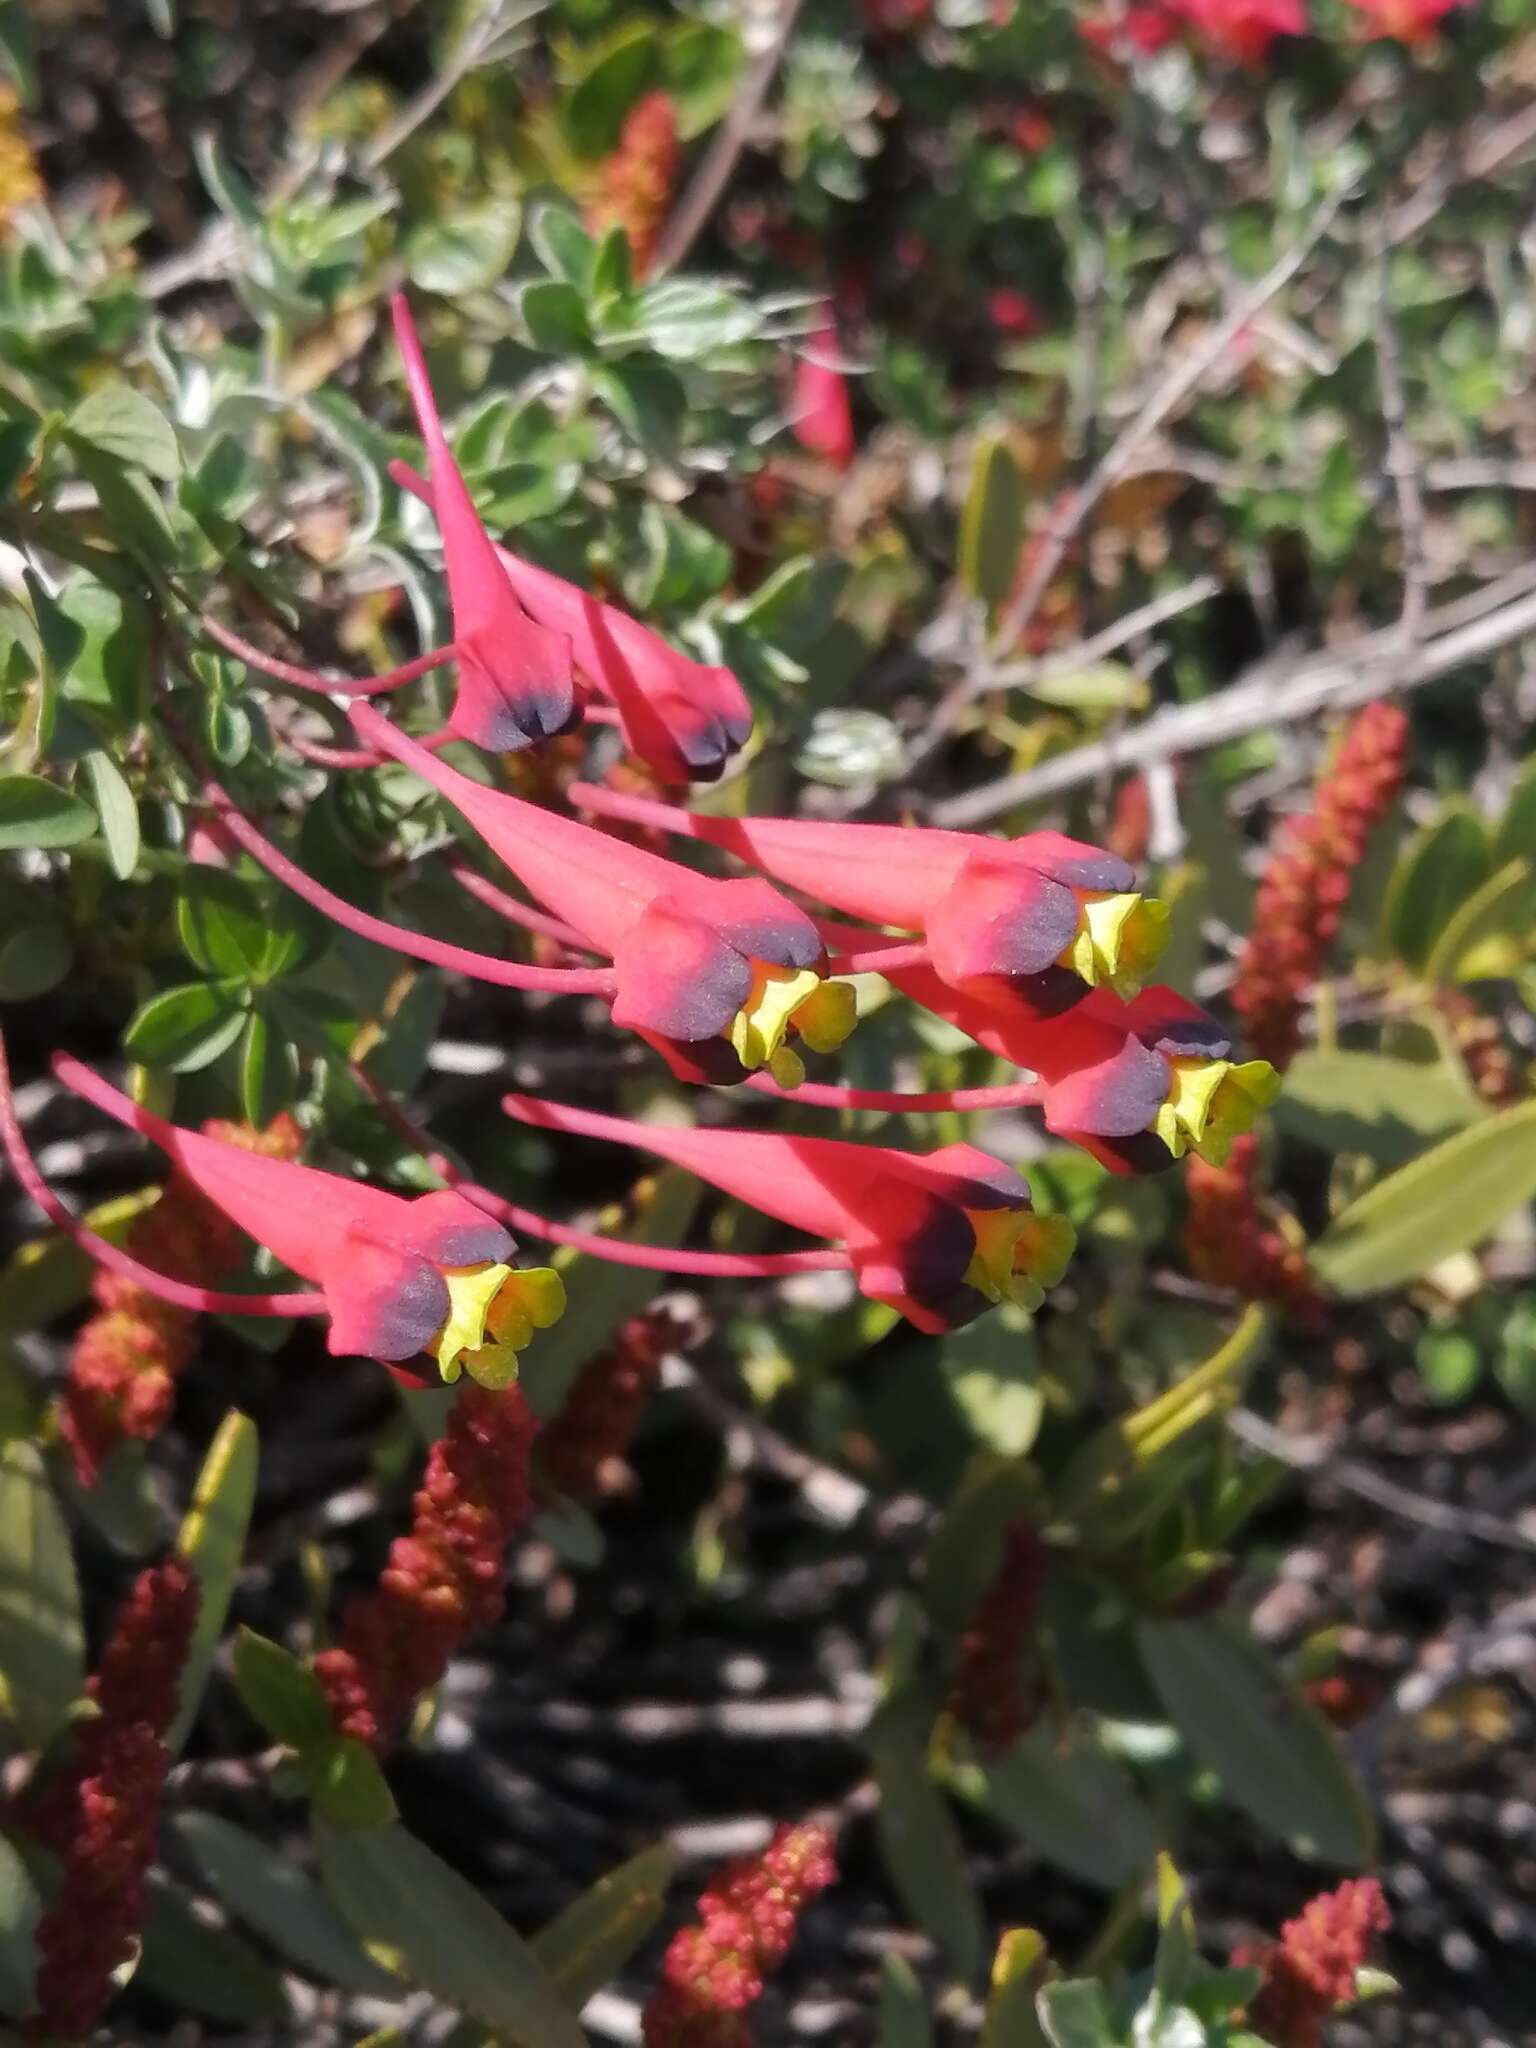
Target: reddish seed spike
515, 683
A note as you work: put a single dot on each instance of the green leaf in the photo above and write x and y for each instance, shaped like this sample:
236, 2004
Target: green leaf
281, 1694
587, 1945
1017, 1968
992, 524
600, 1296
904, 2021
48, 1277
268, 1071
1102, 686
1074, 1803
1075, 2014
555, 316
564, 247
119, 421
918, 1836
211, 1970
701, 62
112, 671
212, 1540
118, 810
1500, 907
420, 1920
35, 813
466, 250
223, 924
1274, 1753
1432, 879
187, 1028
685, 320
33, 959
348, 1787
42, 1644
1389, 1109
18, 52
20, 1911
624, 66
1446, 1201
264, 1887
966, 1549
1450, 1364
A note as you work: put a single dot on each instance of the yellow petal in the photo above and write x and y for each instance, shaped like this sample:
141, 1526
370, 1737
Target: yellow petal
1211, 1102
1118, 940
493, 1314
822, 1012
1018, 1254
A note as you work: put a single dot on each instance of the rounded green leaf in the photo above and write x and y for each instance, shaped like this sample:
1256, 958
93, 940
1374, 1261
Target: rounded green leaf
1432, 880
1276, 1756
187, 1028
1389, 1109
1445, 1201
33, 959
38, 814
119, 812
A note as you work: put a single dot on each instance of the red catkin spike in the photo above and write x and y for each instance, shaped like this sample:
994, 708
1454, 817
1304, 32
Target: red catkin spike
597, 1423
636, 182
126, 1359
445, 1581
1229, 1243
1306, 884
714, 1971
994, 1696
1490, 1065
1311, 1969
98, 1811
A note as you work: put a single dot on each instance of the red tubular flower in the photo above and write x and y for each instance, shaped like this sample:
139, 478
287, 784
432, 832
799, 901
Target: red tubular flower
716, 974
1229, 1243
1040, 918
993, 1696
1406, 21
938, 1236
125, 1361
1145, 28
820, 415
683, 718
599, 1416
635, 183
445, 1581
1312, 1968
714, 1971
1306, 884
97, 1813
1243, 29
398, 1275
1137, 1084
515, 681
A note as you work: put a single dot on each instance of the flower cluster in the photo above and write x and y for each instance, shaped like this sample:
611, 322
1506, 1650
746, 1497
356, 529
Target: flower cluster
713, 1972
1306, 883
1490, 1064
1230, 1243
444, 1582
97, 1812
599, 1416
993, 1694
635, 183
1312, 1968
126, 1359
1036, 947
1244, 31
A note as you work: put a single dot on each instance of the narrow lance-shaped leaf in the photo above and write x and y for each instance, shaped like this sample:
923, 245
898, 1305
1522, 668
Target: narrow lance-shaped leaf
212, 1540
42, 1659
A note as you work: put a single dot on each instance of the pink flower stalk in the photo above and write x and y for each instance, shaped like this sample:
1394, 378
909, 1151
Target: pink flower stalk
717, 975
398, 1275
821, 416
515, 682
713, 1972
1042, 918
683, 718
97, 1811
938, 1236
